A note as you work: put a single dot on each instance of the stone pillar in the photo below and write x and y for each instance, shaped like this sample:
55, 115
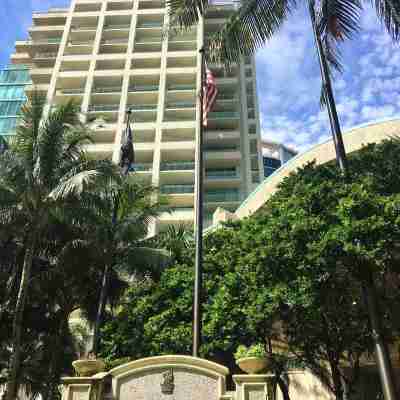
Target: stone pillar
253, 387
83, 388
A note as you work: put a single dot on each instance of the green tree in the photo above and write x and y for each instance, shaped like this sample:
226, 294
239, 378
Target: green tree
117, 219
43, 169
288, 276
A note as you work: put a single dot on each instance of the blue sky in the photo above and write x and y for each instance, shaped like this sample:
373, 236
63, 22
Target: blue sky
287, 74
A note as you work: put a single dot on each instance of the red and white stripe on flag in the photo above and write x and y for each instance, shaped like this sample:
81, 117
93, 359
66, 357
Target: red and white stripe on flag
210, 92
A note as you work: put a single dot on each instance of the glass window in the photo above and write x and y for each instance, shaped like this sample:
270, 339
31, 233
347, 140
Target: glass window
7, 125
10, 108
14, 76
12, 92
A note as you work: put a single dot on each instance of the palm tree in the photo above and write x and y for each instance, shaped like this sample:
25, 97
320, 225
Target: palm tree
254, 22
177, 240
44, 167
117, 220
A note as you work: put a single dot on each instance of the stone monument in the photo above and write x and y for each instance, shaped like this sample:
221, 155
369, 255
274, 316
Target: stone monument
173, 377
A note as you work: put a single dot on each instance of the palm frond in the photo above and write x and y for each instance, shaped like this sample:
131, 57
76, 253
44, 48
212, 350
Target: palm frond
51, 141
74, 185
388, 12
248, 29
339, 19
142, 260
185, 13
27, 131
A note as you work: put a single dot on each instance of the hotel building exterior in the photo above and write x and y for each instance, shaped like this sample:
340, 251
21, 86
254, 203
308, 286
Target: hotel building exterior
114, 55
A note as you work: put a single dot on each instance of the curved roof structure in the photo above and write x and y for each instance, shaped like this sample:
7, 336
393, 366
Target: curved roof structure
354, 139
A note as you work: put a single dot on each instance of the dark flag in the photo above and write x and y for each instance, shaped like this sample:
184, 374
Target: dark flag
127, 155
3, 145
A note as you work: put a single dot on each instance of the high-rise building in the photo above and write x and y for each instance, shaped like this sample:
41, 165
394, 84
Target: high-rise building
114, 55
275, 155
13, 80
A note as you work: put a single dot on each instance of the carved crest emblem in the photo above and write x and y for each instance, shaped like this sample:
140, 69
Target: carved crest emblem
167, 385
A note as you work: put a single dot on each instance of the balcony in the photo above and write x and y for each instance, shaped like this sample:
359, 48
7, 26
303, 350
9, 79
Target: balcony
181, 87
177, 166
180, 105
116, 27
103, 107
142, 167
119, 42
80, 43
48, 41
182, 45
223, 115
221, 174
72, 91
150, 24
45, 56
83, 28
109, 89
177, 189
143, 107
222, 196
144, 88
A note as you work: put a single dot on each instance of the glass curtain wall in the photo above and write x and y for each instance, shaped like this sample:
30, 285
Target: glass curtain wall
13, 80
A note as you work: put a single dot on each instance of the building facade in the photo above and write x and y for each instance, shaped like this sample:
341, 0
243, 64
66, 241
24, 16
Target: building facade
13, 80
114, 55
274, 156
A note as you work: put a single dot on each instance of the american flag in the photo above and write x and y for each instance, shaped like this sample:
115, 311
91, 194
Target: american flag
210, 92
127, 155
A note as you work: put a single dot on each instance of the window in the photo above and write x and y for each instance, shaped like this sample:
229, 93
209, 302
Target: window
7, 124
14, 76
10, 108
12, 92
270, 165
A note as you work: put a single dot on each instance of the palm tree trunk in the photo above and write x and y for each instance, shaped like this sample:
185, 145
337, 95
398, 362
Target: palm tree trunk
100, 310
12, 384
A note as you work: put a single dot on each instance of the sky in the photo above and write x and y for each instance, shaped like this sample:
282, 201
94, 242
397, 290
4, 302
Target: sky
288, 80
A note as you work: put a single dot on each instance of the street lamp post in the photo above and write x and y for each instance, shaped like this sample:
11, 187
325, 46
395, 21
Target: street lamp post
368, 287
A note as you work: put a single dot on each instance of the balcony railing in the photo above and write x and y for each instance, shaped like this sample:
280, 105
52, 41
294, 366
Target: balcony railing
45, 41
73, 91
223, 115
110, 27
104, 107
121, 41
141, 167
80, 43
84, 28
174, 189
45, 55
177, 166
221, 149
221, 196
188, 40
144, 88
149, 39
143, 107
181, 87
181, 105
221, 174
109, 89
150, 25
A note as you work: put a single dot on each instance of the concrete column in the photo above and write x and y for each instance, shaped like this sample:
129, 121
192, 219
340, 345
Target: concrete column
253, 387
92, 66
245, 164
56, 69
